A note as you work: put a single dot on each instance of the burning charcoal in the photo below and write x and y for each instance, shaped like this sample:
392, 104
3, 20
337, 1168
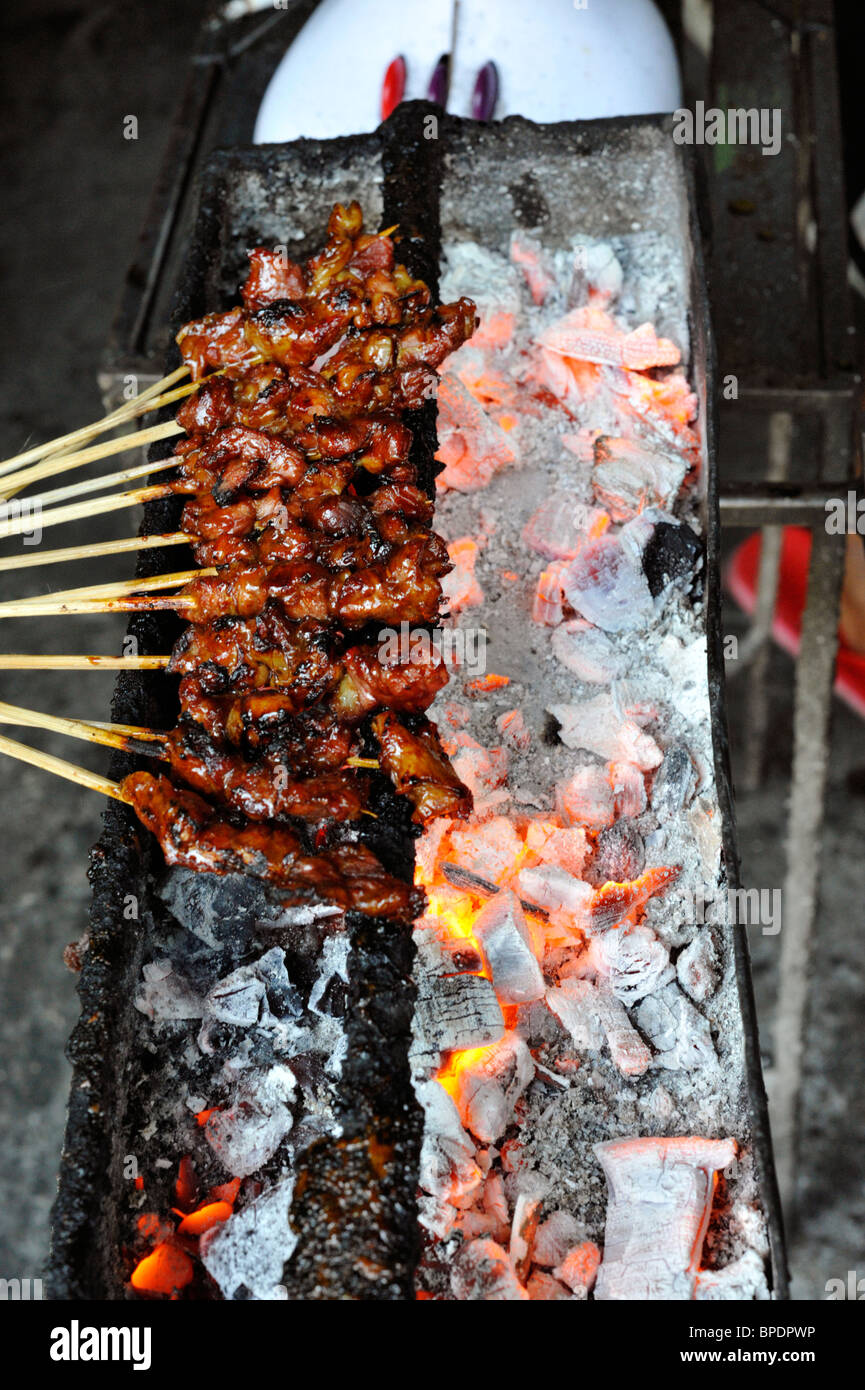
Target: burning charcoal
495, 1203
608, 588
489, 849
743, 1279
579, 1268
588, 334
453, 1012
543, 1287
566, 847
627, 477
482, 1273
470, 445
246, 1254
166, 995
658, 1212
523, 1228
488, 1084
671, 555
590, 1015
680, 1034
483, 770
532, 260
503, 935
560, 526
473, 883
554, 1237
629, 788
475, 1223
428, 847
448, 1169
547, 607
632, 701
596, 726
587, 653
445, 955
596, 268
614, 903
674, 783
460, 588
633, 962
586, 799
512, 727
698, 967
246, 1135
554, 888
620, 853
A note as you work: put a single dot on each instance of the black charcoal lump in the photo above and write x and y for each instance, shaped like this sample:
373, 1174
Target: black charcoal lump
672, 555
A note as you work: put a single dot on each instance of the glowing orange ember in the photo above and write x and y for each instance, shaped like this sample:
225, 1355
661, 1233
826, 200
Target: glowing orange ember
226, 1192
165, 1270
490, 681
204, 1218
469, 1059
613, 903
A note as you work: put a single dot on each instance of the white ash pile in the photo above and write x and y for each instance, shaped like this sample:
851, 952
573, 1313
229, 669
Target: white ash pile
575, 1018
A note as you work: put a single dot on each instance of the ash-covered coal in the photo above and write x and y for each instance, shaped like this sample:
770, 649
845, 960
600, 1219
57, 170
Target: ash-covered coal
241, 1007
221, 908
595, 830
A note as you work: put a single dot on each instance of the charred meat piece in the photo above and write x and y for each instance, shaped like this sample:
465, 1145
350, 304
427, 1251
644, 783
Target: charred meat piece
404, 588
420, 770
268, 789
216, 340
368, 682
238, 655
307, 741
376, 442
271, 276
231, 457
194, 837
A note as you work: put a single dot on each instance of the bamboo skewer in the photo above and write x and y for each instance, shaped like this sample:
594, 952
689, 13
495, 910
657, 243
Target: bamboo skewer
61, 768
77, 662
56, 516
121, 587
131, 603
136, 731
109, 735
94, 550
128, 410
100, 483
139, 439
57, 451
